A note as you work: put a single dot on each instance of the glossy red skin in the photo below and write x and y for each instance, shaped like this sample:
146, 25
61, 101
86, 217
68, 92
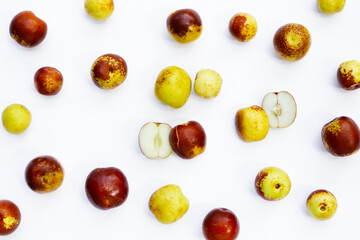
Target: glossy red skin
48, 81
179, 21
346, 142
220, 224
106, 188
8, 208
44, 174
188, 140
27, 29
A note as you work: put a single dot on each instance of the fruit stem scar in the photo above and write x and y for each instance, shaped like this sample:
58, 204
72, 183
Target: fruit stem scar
322, 208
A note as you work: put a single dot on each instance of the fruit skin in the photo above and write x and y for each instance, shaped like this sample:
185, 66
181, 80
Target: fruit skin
331, 6
106, 188
243, 27
188, 140
160, 143
48, 81
292, 41
220, 224
173, 86
10, 217
168, 204
341, 136
252, 123
99, 9
280, 108
44, 174
184, 25
27, 29
272, 183
109, 71
16, 118
321, 204
348, 75
207, 83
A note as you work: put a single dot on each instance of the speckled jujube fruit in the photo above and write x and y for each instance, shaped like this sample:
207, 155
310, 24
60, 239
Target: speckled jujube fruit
243, 27
184, 25
292, 41
106, 187
10, 217
44, 174
341, 136
109, 71
48, 81
348, 75
99, 9
27, 29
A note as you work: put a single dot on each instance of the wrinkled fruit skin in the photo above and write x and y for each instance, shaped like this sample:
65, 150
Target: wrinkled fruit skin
184, 25
109, 71
321, 204
188, 140
168, 204
252, 123
27, 29
341, 136
220, 224
99, 9
44, 174
331, 6
292, 42
10, 217
48, 81
348, 75
106, 188
173, 86
243, 27
272, 183
16, 118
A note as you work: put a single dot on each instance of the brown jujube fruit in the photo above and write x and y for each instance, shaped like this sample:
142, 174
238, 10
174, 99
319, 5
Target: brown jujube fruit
220, 224
44, 174
106, 187
341, 136
48, 81
188, 140
27, 29
10, 217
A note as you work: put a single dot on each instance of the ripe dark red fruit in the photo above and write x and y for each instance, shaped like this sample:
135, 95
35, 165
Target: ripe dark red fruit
106, 187
220, 224
10, 217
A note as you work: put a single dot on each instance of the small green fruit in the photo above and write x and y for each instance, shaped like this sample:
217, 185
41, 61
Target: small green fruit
207, 83
173, 86
16, 118
168, 204
99, 9
331, 6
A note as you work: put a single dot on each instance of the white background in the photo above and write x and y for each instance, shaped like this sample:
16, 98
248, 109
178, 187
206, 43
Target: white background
85, 127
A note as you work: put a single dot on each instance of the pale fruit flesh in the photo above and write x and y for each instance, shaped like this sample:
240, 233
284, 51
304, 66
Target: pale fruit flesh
168, 204
154, 140
280, 108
